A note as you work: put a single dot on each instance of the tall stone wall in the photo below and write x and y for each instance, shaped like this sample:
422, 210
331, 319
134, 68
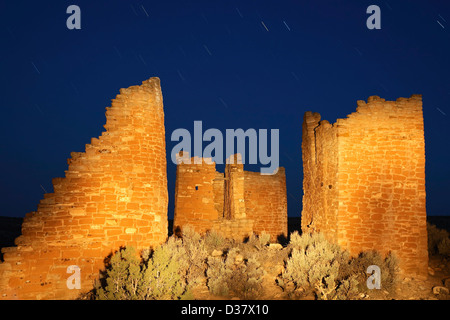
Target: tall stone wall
320, 199
266, 203
366, 191
195, 193
114, 194
235, 204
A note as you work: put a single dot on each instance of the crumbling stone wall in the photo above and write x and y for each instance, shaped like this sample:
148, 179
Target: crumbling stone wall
364, 180
266, 202
320, 199
114, 194
235, 204
195, 194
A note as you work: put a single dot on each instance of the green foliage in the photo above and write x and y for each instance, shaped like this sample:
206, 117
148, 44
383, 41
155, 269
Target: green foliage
313, 266
388, 265
297, 241
438, 240
316, 266
123, 277
214, 241
348, 289
196, 253
253, 244
235, 276
217, 276
162, 276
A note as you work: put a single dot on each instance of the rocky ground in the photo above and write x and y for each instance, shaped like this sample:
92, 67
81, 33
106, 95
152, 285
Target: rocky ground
436, 287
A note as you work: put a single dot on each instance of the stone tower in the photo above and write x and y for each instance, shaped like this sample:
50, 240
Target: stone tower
364, 180
113, 194
235, 203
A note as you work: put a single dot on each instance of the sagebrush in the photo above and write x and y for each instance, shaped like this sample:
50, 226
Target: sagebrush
438, 240
309, 266
235, 275
320, 268
161, 276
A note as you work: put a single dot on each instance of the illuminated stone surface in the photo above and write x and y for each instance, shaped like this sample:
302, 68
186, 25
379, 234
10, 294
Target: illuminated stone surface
364, 180
234, 204
113, 194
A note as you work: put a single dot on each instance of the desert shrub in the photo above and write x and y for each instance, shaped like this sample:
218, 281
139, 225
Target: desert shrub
316, 266
297, 241
253, 244
438, 240
196, 254
162, 276
264, 239
123, 277
235, 276
165, 276
444, 247
217, 276
214, 241
313, 266
357, 270
348, 289
257, 247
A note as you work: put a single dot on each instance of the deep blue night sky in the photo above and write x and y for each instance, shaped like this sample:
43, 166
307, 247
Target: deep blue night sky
231, 64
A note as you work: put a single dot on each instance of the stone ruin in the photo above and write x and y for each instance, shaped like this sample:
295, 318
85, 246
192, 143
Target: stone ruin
235, 203
112, 195
364, 188
364, 180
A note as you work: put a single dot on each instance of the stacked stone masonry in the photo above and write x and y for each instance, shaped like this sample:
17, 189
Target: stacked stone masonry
114, 194
235, 204
364, 180
364, 188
